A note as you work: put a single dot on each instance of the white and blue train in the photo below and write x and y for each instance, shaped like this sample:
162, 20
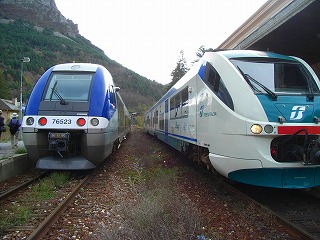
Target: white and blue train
252, 116
74, 118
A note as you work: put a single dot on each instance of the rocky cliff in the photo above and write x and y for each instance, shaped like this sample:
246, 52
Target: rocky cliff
43, 13
36, 29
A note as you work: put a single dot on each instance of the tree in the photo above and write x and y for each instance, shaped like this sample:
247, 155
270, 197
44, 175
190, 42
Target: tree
4, 90
180, 70
200, 52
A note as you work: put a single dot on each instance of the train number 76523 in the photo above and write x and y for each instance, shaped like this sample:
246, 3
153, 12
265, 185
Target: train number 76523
61, 121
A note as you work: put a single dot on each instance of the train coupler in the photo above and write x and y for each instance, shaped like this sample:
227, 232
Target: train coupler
58, 141
312, 153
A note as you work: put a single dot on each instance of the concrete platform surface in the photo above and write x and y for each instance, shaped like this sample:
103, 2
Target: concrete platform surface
11, 163
6, 151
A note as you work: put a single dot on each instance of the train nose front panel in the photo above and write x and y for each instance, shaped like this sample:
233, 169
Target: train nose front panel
297, 113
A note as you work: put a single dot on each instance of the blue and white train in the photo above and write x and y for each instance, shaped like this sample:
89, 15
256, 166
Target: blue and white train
74, 118
253, 116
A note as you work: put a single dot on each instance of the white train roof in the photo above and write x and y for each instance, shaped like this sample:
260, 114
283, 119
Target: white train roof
83, 67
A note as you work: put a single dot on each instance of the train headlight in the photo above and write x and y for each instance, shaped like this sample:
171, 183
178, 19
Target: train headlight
256, 129
81, 122
30, 121
268, 128
42, 121
94, 121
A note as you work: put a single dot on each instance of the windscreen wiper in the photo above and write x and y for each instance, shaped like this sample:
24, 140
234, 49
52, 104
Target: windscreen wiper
250, 79
310, 85
57, 94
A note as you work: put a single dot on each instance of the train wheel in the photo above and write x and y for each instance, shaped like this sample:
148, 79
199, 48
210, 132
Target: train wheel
116, 145
201, 156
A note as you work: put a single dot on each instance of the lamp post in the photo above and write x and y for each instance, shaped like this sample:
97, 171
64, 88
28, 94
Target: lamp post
23, 60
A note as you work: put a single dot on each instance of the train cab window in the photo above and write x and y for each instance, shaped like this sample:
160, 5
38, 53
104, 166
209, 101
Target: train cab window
276, 75
215, 83
293, 78
68, 86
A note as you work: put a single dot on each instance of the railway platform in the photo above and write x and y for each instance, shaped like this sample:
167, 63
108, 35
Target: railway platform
12, 163
6, 151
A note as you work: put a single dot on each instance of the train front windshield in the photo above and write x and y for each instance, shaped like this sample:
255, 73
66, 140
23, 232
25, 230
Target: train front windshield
73, 86
276, 76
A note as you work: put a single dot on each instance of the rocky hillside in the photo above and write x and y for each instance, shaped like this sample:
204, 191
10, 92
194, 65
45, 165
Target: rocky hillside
39, 12
36, 29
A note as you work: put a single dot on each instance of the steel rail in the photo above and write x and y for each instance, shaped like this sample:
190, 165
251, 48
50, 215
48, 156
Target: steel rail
293, 228
12, 192
44, 227
287, 224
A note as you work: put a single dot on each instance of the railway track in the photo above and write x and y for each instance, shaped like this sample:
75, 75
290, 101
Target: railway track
44, 212
45, 225
297, 210
15, 190
95, 210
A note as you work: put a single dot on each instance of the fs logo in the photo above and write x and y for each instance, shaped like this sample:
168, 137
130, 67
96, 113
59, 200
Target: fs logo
297, 112
201, 110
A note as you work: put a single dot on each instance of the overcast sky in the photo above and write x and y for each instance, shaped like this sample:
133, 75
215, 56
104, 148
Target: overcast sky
147, 36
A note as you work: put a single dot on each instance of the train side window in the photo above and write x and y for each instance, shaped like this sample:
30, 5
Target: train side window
113, 100
155, 117
215, 83
184, 104
172, 107
121, 115
179, 107
148, 121
161, 121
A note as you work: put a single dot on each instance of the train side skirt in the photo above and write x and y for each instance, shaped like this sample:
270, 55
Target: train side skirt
291, 178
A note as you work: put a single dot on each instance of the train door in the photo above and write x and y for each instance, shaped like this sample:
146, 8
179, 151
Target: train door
211, 89
192, 110
166, 116
205, 114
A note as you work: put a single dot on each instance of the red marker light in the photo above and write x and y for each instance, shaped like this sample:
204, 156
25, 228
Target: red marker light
274, 151
81, 122
42, 121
